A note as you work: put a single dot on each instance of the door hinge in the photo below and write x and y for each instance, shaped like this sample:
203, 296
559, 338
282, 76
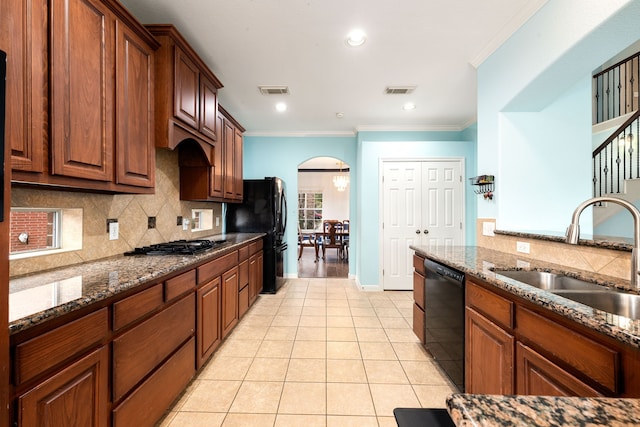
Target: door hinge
460, 178
460, 226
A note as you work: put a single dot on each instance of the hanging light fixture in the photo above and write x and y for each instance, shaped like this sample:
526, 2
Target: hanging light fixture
341, 180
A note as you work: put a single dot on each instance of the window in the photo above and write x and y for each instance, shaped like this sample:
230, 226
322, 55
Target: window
202, 219
43, 231
310, 211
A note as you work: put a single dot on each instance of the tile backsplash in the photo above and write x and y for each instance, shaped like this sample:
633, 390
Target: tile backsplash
609, 262
131, 211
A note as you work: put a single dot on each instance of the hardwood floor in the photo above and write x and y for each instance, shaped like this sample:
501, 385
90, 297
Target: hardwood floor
331, 266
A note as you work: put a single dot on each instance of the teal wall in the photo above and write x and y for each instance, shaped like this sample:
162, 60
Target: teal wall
280, 156
534, 110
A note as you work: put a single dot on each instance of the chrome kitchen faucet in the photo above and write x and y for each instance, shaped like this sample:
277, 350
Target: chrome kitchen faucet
573, 231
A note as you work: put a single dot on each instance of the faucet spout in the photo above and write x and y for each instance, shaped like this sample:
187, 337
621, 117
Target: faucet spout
573, 231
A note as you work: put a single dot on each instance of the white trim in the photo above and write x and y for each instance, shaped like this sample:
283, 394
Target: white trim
434, 128
300, 133
507, 31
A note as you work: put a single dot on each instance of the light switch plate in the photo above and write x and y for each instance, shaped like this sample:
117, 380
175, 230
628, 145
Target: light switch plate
114, 230
185, 224
217, 221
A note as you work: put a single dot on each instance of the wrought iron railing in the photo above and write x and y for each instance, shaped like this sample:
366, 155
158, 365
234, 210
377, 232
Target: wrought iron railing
615, 90
617, 158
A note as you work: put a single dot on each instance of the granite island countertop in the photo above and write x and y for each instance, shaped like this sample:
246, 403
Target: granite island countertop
476, 410
495, 410
39, 297
481, 262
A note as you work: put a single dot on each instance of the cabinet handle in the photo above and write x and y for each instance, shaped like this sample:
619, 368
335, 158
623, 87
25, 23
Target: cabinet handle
426, 231
417, 231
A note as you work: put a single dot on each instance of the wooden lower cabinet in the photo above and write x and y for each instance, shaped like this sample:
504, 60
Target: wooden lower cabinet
229, 285
489, 356
209, 332
537, 375
514, 346
146, 405
76, 396
255, 276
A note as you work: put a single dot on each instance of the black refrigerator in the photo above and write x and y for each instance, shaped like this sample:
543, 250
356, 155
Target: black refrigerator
263, 210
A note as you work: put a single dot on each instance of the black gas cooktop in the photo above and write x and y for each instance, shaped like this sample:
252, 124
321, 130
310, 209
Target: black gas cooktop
177, 247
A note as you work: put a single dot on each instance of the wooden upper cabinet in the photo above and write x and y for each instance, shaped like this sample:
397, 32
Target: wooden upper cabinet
186, 93
82, 39
237, 169
79, 108
232, 151
208, 107
216, 187
187, 83
26, 95
135, 147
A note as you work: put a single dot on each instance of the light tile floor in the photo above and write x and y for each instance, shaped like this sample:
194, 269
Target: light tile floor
319, 353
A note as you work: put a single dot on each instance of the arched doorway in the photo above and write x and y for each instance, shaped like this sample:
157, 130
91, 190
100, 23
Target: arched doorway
323, 195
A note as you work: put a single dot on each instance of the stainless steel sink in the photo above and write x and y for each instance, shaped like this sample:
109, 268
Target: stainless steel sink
549, 281
620, 303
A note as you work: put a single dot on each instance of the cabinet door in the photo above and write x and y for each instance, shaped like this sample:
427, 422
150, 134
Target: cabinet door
489, 356
229, 155
209, 332
187, 104
229, 300
237, 164
82, 89
216, 182
135, 149
208, 107
26, 96
76, 396
537, 375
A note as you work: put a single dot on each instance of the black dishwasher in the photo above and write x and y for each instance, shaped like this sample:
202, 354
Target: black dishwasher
444, 318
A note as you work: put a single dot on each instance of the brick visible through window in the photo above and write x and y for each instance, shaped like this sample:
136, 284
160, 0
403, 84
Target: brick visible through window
40, 226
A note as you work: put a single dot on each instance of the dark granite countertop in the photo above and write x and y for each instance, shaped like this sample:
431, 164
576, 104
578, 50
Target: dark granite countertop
495, 410
36, 298
480, 262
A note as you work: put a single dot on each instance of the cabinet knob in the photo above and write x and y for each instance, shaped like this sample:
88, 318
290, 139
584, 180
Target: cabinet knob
426, 231
417, 231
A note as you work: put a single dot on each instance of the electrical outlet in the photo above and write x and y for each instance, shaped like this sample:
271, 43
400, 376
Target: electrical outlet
114, 230
488, 228
151, 222
185, 224
217, 221
523, 247
179, 220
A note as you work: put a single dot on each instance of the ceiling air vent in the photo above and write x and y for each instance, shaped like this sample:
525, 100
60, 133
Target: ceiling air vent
274, 90
399, 90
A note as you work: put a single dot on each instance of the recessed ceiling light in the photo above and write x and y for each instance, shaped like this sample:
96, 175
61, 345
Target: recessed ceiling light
339, 115
281, 106
356, 38
409, 106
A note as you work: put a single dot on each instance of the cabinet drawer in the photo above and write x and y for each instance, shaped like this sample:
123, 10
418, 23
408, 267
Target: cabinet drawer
418, 322
592, 359
418, 264
147, 403
243, 253
138, 351
216, 267
134, 307
243, 274
179, 285
39, 354
496, 308
418, 289
255, 246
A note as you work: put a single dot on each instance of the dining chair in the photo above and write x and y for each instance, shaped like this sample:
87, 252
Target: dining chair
331, 237
345, 239
305, 240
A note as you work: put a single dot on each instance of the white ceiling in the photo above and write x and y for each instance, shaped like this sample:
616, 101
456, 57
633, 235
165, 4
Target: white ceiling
431, 44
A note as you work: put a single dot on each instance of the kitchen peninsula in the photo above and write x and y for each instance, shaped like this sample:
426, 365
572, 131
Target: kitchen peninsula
121, 338
536, 344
